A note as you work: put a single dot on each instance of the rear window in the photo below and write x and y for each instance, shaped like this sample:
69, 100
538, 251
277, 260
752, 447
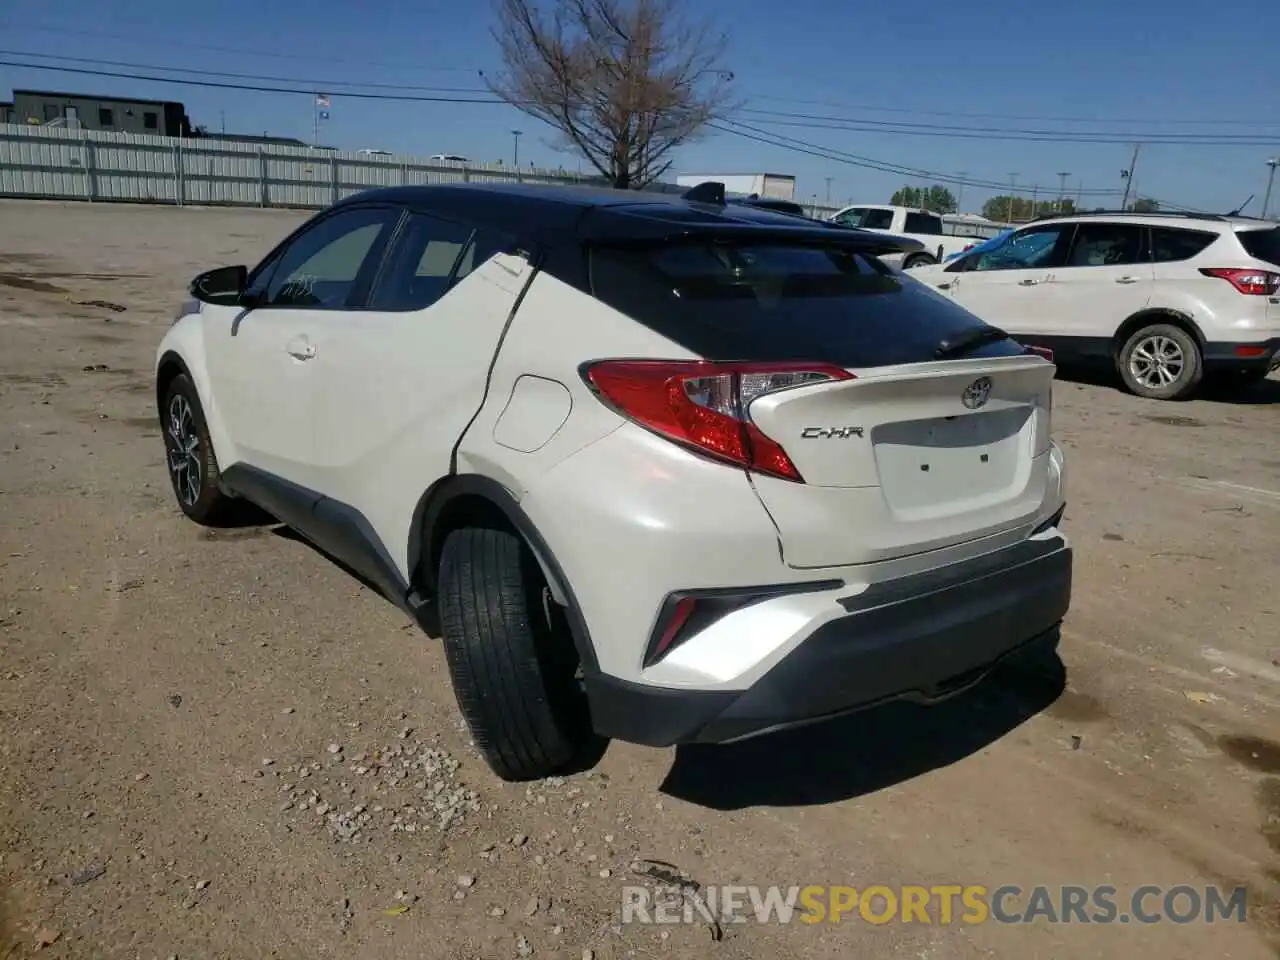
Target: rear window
1169, 244
923, 223
1263, 244
780, 302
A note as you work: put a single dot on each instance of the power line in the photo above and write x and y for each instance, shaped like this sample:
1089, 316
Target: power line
186, 44
317, 84
255, 88
829, 153
880, 108
957, 132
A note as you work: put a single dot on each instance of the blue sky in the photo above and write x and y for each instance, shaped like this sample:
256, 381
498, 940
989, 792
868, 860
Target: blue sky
1141, 68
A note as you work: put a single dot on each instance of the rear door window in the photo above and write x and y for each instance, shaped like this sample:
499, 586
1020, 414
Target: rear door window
1263, 244
925, 223
1108, 245
776, 301
1170, 244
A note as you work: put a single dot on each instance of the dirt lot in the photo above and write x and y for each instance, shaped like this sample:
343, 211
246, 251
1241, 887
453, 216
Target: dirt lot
220, 745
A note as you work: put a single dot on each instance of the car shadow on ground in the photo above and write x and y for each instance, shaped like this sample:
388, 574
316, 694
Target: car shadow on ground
863, 752
1212, 389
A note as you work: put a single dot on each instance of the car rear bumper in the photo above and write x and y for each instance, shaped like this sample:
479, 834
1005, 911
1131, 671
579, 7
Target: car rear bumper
1254, 355
921, 637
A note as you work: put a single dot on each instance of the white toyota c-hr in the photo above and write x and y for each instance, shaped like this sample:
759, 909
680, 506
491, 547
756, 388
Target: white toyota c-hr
659, 469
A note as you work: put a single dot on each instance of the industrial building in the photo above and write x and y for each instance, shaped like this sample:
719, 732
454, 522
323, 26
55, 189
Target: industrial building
159, 118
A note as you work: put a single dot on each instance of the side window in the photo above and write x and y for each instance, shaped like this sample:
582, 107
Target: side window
483, 245
923, 223
1028, 250
320, 268
1170, 244
851, 218
1107, 245
421, 266
878, 220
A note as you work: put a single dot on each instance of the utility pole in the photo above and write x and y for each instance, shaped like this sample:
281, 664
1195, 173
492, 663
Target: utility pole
1062, 188
960, 191
828, 179
1127, 176
1079, 191
1266, 200
1013, 185
1035, 200
515, 149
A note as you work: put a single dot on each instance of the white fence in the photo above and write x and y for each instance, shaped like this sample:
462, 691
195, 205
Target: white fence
55, 164
48, 163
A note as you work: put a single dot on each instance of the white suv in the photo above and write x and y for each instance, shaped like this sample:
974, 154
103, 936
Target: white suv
1165, 298
664, 470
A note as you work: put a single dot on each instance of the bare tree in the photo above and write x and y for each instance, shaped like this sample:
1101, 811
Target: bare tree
625, 82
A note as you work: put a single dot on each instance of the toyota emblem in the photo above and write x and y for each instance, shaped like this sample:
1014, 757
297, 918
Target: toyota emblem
977, 393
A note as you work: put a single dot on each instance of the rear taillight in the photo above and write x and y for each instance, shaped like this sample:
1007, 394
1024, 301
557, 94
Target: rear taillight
1038, 351
703, 404
1248, 280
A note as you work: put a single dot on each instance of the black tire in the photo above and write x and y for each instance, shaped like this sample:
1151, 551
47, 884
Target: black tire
189, 457
1156, 353
510, 655
918, 260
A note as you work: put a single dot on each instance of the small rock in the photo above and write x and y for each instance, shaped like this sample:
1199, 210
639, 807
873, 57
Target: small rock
459, 895
588, 954
608, 838
533, 906
175, 700
465, 880
267, 762
202, 884
606, 873
87, 875
540, 860
287, 710
522, 946
87, 815
139, 777
519, 840
497, 912
335, 748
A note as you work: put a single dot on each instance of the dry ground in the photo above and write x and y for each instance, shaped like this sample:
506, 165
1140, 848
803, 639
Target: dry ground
149, 670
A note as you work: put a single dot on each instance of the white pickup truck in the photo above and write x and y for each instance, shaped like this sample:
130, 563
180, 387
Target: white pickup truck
921, 225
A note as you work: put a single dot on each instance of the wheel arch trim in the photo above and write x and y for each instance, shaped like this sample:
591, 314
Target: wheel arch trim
1133, 323
425, 543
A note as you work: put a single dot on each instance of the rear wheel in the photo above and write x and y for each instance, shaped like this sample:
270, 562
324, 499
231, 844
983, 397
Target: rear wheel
1161, 362
510, 654
918, 260
193, 468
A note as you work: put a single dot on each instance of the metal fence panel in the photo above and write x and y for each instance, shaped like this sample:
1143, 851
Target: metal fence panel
56, 163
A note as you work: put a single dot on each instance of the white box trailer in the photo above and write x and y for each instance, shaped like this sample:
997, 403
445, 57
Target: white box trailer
774, 186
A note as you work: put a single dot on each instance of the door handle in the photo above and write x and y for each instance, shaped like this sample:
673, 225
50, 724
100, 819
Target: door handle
1126, 279
300, 348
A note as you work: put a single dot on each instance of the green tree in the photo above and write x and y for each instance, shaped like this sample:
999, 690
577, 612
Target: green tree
1006, 208
1145, 205
936, 198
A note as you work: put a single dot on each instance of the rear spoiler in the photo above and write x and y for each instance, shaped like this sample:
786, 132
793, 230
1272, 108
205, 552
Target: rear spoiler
647, 224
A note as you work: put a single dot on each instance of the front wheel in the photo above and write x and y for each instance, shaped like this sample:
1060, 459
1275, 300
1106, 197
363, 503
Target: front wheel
193, 468
1161, 362
510, 655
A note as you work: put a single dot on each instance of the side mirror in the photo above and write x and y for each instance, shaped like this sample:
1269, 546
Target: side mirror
222, 287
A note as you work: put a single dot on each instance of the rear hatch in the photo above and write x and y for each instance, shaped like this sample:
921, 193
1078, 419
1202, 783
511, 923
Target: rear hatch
907, 459
879, 419
1264, 244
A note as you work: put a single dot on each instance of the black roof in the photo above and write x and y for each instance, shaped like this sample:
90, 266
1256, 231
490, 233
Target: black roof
105, 98
601, 214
